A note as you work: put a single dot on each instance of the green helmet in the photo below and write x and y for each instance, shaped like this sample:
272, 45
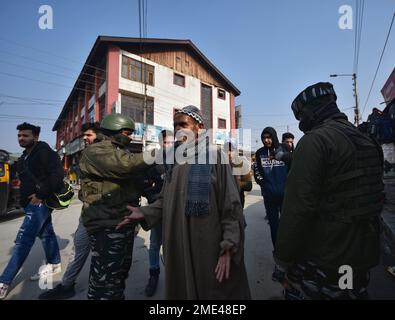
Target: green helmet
116, 122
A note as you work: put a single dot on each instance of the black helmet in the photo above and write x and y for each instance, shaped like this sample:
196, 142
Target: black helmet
116, 122
311, 93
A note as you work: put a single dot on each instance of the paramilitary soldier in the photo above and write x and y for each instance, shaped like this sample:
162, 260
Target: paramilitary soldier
333, 199
107, 169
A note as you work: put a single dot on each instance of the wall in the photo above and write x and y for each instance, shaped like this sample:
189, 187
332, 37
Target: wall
168, 96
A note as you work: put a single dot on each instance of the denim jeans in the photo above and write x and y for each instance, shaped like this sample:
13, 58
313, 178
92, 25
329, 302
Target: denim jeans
273, 205
37, 223
154, 246
79, 255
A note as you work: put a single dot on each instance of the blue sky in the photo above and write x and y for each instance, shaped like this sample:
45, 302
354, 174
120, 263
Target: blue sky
271, 50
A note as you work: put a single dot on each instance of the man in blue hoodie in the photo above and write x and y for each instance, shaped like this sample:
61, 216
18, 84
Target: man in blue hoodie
270, 172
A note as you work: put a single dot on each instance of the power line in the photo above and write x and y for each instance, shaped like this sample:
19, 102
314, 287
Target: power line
378, 66
43, 81
7, 103
27, 98
47, 63
50, 54
19, 117
47, 72
359, 35
356, 33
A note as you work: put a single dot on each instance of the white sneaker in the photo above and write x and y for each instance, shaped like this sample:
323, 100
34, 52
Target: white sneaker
46, 271
3, 290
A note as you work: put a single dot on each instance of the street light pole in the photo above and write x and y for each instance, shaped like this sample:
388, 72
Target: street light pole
356, 108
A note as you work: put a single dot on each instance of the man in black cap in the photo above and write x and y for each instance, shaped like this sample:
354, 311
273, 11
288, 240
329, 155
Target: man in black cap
333, 198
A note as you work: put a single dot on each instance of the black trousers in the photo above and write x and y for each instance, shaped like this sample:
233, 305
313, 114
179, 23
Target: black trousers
112, 252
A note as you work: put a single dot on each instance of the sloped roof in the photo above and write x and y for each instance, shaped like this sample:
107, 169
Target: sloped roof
102, 42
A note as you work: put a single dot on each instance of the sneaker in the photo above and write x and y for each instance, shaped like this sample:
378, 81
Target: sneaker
46, 271
60, 292
391, 270
3, 290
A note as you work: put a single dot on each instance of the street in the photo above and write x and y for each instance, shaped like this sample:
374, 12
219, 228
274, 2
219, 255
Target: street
258, 257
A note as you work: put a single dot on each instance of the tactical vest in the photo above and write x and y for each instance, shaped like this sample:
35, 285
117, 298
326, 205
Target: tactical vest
349, 225
357, 194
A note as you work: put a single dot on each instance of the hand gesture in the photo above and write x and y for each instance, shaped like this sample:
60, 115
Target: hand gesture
135, 215
34, 200
223, 266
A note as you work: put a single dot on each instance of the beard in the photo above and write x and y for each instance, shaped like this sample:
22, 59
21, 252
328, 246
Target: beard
27, 145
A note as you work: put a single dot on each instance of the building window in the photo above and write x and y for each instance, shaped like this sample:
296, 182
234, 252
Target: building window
137, 71
133, 106
91, 114
221, 123
221, 94
179, 80
102, 107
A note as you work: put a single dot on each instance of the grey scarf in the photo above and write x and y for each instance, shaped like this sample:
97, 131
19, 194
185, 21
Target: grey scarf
198, 189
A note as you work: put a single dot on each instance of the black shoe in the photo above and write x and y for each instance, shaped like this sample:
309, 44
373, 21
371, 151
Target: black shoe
152, 282
293, 294
277, 275
60, 292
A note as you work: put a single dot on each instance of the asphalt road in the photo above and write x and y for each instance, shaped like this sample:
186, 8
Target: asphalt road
258, 257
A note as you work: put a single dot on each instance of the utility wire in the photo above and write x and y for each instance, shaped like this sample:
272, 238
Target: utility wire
47, 72
47, 63
28, 98
43, 81
359, 35
50, 54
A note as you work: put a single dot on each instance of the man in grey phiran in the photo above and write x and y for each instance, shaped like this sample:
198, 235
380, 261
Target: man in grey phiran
203, 222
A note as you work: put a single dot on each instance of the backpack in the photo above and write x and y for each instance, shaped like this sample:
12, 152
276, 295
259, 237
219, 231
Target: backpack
57, 200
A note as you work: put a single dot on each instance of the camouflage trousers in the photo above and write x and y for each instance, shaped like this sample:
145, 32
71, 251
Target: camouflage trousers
111, 260
307, 281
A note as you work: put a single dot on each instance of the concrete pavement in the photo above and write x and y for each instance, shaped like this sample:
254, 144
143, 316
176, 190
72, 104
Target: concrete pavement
258, 258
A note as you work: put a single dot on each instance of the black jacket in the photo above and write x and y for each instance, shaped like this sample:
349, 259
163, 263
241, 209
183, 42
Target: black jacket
152, 182
44, 164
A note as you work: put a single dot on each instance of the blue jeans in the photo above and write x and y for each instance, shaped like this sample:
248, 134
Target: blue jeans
154, 246
273, 205
37, 223
79, 255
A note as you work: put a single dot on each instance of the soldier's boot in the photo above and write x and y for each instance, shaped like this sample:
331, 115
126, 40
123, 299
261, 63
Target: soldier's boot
152, 282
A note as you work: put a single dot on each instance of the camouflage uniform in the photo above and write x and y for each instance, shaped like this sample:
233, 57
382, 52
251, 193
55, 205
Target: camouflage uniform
108, 186
111, 260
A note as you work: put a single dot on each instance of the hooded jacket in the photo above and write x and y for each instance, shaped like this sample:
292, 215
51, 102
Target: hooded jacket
270, 174
44, 164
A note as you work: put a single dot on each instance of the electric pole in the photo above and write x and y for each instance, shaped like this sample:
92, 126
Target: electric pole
355, 93
356, 110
